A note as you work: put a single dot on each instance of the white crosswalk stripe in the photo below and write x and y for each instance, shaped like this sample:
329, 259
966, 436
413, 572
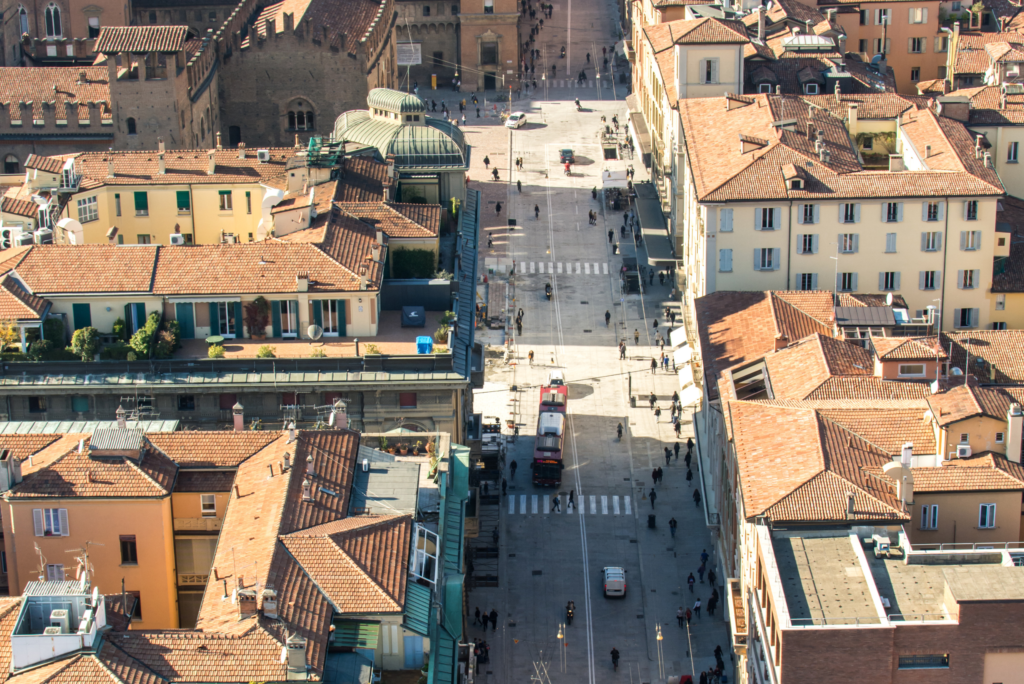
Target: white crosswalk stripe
586, 268
533, 267
567, 268
544, 504
605, 271
551, 267
559, 266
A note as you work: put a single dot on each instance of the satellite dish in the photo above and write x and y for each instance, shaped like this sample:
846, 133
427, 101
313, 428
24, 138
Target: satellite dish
315, 331
888, 299
955, 371
40, 200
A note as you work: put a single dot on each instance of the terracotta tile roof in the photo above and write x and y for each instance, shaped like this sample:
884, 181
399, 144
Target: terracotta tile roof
986, 473
798, 370
210, 449
1005, 52
16, 303
204, 481
23, 446
969, 400
271, 267
264, 509
78, 475
796, 465
117, 39
20, 207
887, 428
9, 258
9, 609
739, 327
362, 180
869, 105
1011, 217
971, 56
868, 388
1001, 349
860, 299
87, 268
182, 166
706, 31
723, 172
344, 24
360, 563
987, 106
51, 452
908, 348
398, 220
935, 86
47, 164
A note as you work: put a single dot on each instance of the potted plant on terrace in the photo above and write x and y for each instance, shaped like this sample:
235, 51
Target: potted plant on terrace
257, 316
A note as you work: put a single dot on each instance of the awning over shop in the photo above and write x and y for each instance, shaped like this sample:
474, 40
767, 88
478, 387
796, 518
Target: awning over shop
690, 395
682, 355
657, 241
677, 337
614, 179
685, 376
637, 126
200, 299
354, 634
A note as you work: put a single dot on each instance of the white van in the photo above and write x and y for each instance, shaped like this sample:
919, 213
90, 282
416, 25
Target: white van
614, 581
556, 379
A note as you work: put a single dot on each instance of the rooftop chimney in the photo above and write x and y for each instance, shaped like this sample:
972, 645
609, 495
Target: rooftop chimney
896, 163
781, 341
853, 120
238, 415
988, 160
307, 490
977, 146
161, 164
302, 282
110, 165
849, 504
927, 151
1014, 432
291, 433
212, 169
339, 415
310, 466
219, 145
160, 145
270, 604
119, 414
295, 654
241, 150
760, 24
246, 603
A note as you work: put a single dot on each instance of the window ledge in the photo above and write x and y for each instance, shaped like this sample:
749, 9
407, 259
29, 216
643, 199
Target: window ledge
129, 565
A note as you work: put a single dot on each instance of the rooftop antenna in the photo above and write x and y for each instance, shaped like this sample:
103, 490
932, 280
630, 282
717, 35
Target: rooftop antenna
42, 563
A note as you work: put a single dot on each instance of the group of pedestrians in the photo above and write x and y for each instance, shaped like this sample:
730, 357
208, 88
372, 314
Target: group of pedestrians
482, 619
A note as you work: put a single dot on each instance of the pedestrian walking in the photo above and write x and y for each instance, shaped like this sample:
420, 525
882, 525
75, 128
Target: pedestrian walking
664, 359
497, 207
703, 678
494, 172
704, 556
689, 447
652, 496
494, 619
672, 525
504, 486
668, 456
696, 609
680, 616
476, 618
689, 457
531, 357
661, 474
654, 475
622, 350
572, 500
519, 186
487, 162
611, 236
700, 572
689, 474
654, 366
655, 320
696, 497
675, 448
556, 505
653, 399
636, 336
689, 616
711, 577
712, 603
512, 467
678, 429
690, 581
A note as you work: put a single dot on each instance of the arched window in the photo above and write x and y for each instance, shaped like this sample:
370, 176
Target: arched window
23, 16
202, 127
291, 119
300, 118
131, 126
11, 164
52, 15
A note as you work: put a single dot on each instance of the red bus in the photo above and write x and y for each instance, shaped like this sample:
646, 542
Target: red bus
554, 398
547, 454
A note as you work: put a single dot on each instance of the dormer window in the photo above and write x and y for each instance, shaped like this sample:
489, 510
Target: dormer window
796, 184
811, 89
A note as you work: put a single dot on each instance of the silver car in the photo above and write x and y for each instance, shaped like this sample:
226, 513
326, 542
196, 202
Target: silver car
515, 120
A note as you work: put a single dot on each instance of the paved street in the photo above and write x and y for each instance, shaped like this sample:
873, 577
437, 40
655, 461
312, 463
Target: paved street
552, 555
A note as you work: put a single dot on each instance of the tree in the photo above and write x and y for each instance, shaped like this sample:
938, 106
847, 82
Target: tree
10, 337
85, 343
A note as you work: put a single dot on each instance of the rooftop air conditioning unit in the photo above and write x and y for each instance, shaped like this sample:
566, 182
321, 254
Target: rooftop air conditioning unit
963, 451
23, 239
8, 236
52, 631
177, 239
85, 626
61, 620
263, 155
43, 236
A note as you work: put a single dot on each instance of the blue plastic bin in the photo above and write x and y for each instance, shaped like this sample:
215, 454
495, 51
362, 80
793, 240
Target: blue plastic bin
424, 345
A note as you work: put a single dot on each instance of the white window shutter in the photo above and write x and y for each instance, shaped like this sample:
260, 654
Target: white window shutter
881, 280
814, 244
856, 213
960, 279
942, 210
938, 280
976, 281
911, 15
758, 214
776, 218
974, 324
977, 239
910, 41
920, 279
800, 244
924, 15
899, 211
776, 258
963, 240
725, 260
64, 529
814, 281
896, 281
938, 241
924, 242
888, 43
37, 522
714, 71
800, 213
842, 212
817, 213
965, 210
890, 242
853, 283
885, 212
878, 17
726, 220
757, 260
856, 242
956, 318
924, 211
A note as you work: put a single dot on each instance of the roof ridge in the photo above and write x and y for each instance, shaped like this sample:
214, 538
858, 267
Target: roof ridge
359, 566
856, 435
132, 464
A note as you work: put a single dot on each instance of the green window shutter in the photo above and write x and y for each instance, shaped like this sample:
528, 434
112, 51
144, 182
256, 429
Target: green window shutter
140, 316
275, 309
318, 313
80, 404
82, 315
214, 319
184, 200
224, 192
239, 324
128, 329
141, 201
341, 317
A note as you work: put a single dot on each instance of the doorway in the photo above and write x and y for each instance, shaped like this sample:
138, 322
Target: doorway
489, 81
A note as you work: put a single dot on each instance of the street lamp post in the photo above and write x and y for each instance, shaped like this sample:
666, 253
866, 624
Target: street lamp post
561, 642
661, 654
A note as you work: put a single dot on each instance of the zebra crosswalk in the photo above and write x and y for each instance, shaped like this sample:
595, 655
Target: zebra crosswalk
539, 504
564, 268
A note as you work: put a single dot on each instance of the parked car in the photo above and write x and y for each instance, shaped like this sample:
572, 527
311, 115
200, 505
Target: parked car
614, 582
515, 120
566, 155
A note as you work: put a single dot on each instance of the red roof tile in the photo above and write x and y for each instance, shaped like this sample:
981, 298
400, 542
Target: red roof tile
205, 449
87, 268
117, 39
79, 475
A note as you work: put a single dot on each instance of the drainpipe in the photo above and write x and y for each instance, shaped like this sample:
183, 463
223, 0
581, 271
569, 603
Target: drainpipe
789, 244
945, 274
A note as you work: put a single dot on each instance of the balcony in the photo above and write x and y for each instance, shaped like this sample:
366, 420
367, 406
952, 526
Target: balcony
192, 579
198, 524
737, 616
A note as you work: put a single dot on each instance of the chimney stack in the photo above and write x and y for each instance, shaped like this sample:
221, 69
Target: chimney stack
853, 120
307, 490
241, 150
310, 466
339, 415
238, 415
212, 169
781, 342
270, 604
119, 414
1014, 432
760, 24
849, 504
110, 165
977, 147
988, 160
246, 603
219, 145
927, 151
160, 145
161, 164
291, 433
